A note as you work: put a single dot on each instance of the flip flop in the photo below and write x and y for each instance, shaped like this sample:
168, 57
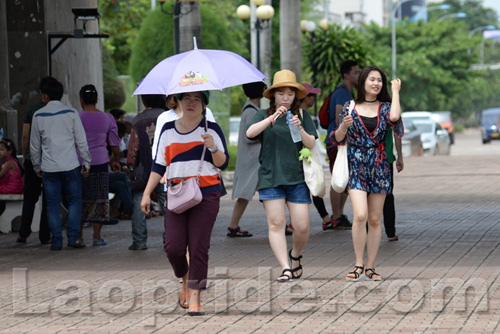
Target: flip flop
101, 242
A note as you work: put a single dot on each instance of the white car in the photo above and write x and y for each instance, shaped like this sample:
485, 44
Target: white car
417, 115
435, 139
234, 130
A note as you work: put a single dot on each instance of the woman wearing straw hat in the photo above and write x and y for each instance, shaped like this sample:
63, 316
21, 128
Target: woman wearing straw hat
281, 177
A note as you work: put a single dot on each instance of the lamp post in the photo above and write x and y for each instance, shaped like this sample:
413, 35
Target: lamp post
473, 31
459, 15
396, 6
264, 14
176, 13
310, 26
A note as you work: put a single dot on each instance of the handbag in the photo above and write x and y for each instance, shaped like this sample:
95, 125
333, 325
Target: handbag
138, 179
340, 172
186, 194
314, 176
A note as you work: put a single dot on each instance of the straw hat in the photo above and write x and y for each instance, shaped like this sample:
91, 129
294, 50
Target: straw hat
286, 78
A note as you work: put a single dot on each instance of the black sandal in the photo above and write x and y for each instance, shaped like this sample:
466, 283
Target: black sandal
238, 233
288, 277
294, 270
357, 275
369, 276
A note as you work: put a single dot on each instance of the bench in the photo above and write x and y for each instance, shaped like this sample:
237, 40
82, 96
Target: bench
10, 219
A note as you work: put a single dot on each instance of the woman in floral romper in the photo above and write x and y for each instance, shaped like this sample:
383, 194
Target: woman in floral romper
369, 173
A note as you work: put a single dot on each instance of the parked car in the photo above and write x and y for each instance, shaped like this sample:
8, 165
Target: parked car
489, 124
234, 129
417, 115
446, 121
435, 139
411, 142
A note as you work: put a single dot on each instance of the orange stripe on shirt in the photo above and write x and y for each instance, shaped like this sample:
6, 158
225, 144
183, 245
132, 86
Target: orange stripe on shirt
177, 148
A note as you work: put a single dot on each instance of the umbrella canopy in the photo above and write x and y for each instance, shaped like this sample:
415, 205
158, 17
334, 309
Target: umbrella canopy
198, 70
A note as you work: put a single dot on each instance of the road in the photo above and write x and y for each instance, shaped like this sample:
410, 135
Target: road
442, 276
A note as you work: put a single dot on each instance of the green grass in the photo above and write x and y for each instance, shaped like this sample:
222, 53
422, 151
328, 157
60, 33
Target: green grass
233, 150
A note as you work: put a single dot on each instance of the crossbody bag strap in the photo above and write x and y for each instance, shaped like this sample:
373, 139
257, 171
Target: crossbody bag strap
204, 150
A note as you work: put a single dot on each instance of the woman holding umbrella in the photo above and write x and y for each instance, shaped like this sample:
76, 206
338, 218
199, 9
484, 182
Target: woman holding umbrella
281, 177
180, 146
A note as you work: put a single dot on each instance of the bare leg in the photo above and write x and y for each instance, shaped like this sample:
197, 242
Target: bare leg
375, 209
239, 209
276, 220
335, 202
299, 214
97, 231
360, 210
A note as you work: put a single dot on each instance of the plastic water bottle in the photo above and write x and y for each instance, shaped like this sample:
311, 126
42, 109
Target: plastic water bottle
1, 133
293, 129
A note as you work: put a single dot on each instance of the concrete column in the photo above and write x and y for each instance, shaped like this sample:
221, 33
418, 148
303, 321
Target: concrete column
290, 34
4, 59
77, 62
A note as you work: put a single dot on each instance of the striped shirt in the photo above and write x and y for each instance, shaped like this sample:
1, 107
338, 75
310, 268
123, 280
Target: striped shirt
180, 154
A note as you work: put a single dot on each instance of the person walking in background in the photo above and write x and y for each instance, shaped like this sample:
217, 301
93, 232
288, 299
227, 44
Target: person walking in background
100, 129
305, 104
55, 132
32, 183
349, 70
365, 130
139, 161
281, 176
247, 166
389, 209
181, 144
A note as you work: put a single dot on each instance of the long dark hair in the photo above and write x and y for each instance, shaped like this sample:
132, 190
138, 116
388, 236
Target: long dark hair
383, 96
295, 104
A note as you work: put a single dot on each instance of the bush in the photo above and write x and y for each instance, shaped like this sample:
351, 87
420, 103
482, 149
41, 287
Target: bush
114, 92
232, 150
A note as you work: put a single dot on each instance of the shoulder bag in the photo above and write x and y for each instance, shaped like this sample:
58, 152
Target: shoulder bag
314, 176
340, 172
186, 194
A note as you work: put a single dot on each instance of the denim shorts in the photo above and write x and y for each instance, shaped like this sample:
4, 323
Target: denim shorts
297, 193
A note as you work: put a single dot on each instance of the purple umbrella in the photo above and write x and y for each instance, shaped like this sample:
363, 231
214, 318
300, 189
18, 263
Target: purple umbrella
197, 70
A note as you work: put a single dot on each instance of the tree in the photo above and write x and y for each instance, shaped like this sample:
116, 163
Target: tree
433, 64
330, 49
121, 19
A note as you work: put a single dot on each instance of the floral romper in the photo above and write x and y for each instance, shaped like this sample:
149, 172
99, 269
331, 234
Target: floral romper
368, 165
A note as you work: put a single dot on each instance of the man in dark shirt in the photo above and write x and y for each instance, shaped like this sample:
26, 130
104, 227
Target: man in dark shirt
349, 70
32, 183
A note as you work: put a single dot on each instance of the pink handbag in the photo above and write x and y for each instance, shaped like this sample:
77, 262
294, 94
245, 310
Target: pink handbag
183, 195
187, 193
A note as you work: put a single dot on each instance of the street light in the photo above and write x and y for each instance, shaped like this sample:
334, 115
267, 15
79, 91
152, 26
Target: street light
264, 14
396, 6
310, 27
176, 13
473, 31
459, 15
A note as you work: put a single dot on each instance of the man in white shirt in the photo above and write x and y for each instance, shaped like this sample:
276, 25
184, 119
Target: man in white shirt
56, 130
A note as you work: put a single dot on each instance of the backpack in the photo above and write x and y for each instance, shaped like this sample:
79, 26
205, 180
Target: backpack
324, 114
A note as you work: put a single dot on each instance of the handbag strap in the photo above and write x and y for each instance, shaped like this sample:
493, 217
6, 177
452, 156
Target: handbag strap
204, 150
203, 154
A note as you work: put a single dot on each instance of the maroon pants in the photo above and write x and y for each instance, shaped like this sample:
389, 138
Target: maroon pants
192, 228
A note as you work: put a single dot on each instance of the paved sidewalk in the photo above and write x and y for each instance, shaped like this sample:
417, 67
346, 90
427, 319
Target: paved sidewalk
442, 276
